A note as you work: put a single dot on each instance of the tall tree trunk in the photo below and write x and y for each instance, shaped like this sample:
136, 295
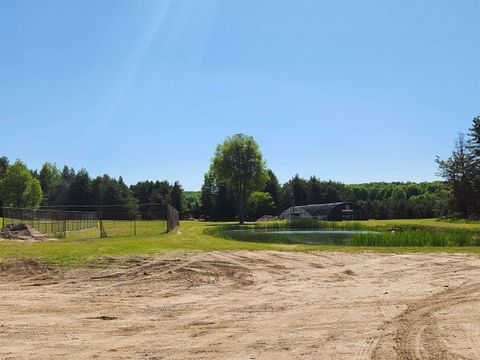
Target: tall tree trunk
241, 215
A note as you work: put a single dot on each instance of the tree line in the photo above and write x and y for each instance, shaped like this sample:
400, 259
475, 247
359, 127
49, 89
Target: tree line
238, 185
22, 187
51, 186
380, 200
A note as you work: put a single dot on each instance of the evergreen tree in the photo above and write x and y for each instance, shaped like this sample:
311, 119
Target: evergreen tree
177, 197
300, 190
316, 193
273, 188
457, 170
474, 149
161, 193
3, 166
207, 196
79, 192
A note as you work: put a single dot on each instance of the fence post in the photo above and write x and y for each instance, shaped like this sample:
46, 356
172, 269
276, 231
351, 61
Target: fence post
173, 218
64, 224
100, 221
103, 234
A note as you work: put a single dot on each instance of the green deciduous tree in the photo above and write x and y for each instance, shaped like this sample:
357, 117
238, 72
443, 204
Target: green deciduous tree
259, 204
238, 165
3, 172
50, 179
398, 193
19, 188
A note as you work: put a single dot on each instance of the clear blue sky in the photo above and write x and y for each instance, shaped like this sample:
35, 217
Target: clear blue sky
354, 91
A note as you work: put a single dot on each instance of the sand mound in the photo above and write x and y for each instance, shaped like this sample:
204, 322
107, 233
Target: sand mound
22, 232
24, 268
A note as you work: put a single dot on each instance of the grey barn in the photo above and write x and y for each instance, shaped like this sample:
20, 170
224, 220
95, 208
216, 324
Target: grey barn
332, 212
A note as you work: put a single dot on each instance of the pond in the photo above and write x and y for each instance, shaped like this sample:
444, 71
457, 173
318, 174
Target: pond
306, 237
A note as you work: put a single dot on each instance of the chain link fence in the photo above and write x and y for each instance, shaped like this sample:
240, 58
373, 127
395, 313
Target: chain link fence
93, 221
137, 220
51, 222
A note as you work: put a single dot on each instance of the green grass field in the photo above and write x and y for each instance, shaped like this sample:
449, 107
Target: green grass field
91, 229
424, 223
82, 247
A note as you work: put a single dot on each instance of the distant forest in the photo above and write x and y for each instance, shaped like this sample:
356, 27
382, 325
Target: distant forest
380, 200
69, 187
457, 197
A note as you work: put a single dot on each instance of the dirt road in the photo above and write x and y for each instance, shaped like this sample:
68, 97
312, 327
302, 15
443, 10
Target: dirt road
245, 305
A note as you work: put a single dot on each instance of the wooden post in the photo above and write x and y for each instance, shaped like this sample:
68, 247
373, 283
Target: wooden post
64, 224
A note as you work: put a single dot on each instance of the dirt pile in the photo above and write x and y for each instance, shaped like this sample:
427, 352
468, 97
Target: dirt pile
22, 232
17, 269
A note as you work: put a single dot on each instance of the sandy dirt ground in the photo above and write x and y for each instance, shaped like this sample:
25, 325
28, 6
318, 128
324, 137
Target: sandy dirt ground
245, 305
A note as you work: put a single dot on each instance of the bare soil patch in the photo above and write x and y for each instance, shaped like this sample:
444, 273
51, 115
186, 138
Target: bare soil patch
19, 269
22, 232
245, 305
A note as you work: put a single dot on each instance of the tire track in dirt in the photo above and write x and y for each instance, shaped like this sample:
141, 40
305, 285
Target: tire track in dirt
151, 271
242, 305
415, 335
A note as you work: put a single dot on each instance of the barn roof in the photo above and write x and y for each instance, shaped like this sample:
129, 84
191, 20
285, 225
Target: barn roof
316, 209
